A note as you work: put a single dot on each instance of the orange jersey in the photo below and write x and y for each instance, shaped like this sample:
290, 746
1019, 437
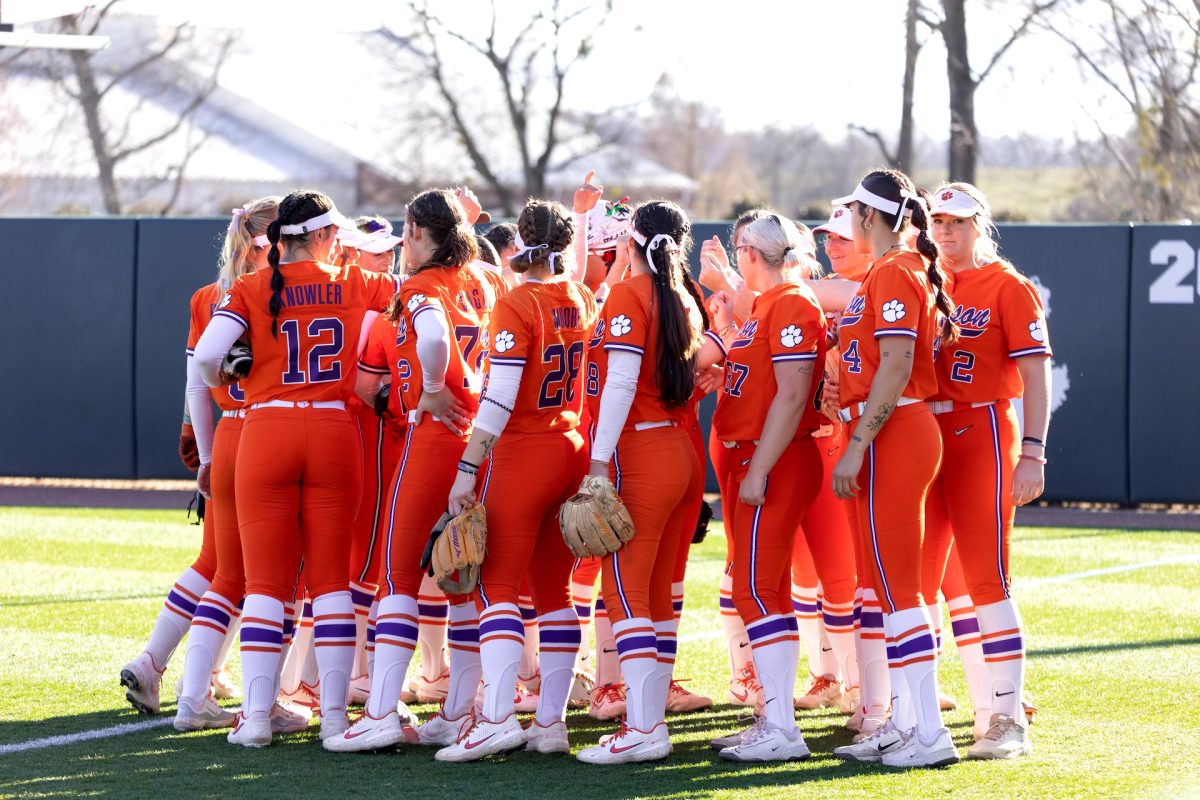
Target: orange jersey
203, 303
895, 299
1002, 319
543, 328
631, 325
379, 356
465, 297
786, 325
313, 356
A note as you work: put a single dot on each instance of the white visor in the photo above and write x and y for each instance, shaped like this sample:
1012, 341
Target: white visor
865, 196
330, 217
955, 203
838, 224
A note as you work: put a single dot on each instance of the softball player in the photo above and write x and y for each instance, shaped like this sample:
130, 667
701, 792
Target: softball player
886, 338
987, 468
442, 315
298, 475
653, 326
534, 396
764, 419
218, 611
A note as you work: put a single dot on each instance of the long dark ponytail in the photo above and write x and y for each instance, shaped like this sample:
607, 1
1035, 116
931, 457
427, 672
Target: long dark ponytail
300, 205
894, 185
678, 338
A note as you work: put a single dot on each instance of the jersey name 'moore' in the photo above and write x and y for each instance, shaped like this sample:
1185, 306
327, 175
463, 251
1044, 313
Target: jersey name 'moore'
565, 318
313, 294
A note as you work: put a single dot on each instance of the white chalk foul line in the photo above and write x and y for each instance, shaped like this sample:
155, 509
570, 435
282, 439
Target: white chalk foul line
83, 736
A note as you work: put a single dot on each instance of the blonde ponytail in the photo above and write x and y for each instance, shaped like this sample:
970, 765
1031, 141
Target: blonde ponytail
248, 222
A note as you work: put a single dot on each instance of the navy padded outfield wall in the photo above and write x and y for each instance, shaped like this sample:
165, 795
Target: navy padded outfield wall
96, 318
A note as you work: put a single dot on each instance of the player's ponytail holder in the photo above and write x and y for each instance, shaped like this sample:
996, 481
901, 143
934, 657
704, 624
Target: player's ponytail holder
233, 221
661, 239
525, 251
904, 211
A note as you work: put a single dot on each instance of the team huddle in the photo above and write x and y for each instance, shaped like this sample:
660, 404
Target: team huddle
441, 453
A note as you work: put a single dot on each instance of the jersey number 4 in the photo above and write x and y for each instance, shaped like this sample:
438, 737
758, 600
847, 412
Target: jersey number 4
318, 350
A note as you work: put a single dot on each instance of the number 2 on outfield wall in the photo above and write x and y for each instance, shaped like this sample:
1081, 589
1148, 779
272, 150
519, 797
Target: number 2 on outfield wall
1180, 261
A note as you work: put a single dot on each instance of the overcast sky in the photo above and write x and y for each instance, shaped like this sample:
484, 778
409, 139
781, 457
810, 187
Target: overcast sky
785, 62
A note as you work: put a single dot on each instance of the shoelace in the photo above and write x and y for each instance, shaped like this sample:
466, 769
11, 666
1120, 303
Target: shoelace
621, 731
997, 729
609, 693
677, 686
755, 732
468, 729
748, 680
819, 685
886, 727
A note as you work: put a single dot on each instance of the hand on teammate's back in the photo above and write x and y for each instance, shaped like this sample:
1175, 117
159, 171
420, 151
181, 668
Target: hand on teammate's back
446, 408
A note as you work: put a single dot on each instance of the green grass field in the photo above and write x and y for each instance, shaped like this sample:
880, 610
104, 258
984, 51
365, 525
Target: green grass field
1113, 669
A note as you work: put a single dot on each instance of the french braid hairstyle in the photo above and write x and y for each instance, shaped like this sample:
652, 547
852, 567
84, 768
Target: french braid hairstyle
300, 205
547, 229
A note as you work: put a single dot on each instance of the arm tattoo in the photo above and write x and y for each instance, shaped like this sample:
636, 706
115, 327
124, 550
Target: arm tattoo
487, 444
857, 438
877, 421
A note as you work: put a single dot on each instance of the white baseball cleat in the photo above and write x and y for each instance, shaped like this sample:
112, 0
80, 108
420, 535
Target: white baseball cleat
333, 724
734, 739
485, 738
608, 702
200, 716
850, 702
433, 691
525, 701
744, 688
874, 746
360, 690
768, 743
913, 753
629, 744
372, 733
550, 738
1005, 738
441, 732
223, 685
823, 691
285, 719
581, 691
142, 680
250, 732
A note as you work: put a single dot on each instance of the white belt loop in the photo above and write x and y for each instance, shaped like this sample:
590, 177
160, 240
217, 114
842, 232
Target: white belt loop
940, 406
823, 432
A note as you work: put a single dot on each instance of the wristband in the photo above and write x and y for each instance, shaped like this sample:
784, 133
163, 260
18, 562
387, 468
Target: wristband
187, 419
1033, 440
1035, 459
468, 468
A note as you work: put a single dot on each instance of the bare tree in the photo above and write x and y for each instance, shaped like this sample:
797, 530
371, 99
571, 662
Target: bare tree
964, 81
531, 70
1147, 53
902, 157
90, 82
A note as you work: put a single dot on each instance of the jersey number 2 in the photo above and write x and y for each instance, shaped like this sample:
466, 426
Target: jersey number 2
323, 343
560, 380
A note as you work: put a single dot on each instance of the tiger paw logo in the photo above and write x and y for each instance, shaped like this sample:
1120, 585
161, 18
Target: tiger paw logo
504, 342
893, 311
620, 325
791, 336
1035, 331
415, 301
947, 196
839, 213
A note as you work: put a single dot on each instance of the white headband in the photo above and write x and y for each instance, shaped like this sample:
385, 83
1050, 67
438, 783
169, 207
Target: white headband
661, 238
865, 196
330, 217
261, 241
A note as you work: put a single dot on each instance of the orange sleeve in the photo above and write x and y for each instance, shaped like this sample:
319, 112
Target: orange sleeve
795, 329
1024, 320
381, 288
235, 304
374, 358
628, 323
511, 334
897, 300
420, 295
